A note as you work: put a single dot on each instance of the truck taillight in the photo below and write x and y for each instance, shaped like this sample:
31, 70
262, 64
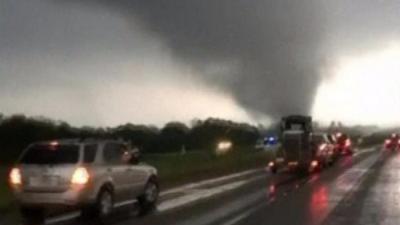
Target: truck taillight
81, 176
15, 176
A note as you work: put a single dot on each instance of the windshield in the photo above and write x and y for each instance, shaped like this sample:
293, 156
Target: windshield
52, 155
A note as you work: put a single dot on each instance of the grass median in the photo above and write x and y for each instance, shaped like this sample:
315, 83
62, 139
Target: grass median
176, 169
5, 194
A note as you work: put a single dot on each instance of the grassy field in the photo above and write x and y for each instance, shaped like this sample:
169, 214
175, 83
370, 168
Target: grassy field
175, 169
5, 195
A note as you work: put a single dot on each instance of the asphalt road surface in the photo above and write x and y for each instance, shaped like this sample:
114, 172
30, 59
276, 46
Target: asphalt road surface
362, 189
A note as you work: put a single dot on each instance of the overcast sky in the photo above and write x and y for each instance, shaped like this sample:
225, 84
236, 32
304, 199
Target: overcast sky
100, 62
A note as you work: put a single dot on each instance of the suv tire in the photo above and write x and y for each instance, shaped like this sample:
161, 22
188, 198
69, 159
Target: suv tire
148, 200
102, 208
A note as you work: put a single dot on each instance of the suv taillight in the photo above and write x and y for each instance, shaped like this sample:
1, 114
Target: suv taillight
81, 176
15, 176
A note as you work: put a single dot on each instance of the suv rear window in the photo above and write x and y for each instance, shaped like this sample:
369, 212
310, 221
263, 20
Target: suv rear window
89, 153
51, 154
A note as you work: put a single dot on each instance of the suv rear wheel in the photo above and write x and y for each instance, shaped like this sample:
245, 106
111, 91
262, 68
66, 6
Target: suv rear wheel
105, 204
147, 201
103, 207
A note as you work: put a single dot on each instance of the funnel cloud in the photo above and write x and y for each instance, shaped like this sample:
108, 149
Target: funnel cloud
272, 46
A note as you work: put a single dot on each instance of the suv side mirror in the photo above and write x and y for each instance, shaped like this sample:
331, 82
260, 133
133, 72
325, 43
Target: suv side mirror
135, 157
134, 160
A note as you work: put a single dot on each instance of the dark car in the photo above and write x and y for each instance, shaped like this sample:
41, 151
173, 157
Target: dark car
344, 145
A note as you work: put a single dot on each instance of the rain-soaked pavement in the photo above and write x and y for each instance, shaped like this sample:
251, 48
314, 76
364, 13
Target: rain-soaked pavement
377, 200
360, 190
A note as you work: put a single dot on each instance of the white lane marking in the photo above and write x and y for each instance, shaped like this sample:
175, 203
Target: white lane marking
365, 151
63, 218
351, 178
241, 216
198, 194
226, 209
382, 200
128, 202
348, 182
209, 182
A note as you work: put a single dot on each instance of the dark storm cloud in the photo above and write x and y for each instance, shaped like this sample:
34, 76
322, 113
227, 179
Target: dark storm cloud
273, 44
268, 54
360, 26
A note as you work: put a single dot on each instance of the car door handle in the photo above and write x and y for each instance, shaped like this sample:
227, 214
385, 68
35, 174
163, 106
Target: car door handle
129, 170
109, 170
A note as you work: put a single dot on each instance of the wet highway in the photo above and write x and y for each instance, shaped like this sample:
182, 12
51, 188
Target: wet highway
281, 199
362, 189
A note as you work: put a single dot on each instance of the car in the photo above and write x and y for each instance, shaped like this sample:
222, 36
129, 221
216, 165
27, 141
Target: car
94, 176
392, 143
324, 148
344, 144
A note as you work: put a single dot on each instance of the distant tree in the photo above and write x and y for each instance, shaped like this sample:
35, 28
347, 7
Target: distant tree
141, 136
18, 131
173, 137
206, 134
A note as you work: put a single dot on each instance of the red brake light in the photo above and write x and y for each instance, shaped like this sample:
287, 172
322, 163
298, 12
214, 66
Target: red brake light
15, 176
81, 176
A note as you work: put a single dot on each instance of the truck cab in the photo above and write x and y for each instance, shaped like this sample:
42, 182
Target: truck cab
297, 151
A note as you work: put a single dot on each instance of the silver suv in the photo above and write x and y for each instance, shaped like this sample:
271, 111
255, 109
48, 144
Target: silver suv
93, 175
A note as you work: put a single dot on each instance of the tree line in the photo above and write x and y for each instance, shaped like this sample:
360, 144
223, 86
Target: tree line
18, 131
